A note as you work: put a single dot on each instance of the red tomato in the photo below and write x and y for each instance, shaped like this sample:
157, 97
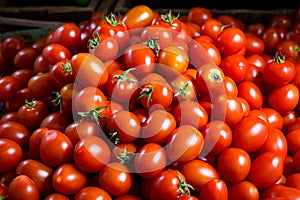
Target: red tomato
23, 75
150, 160
211, 27
35, 141
170, 21
293, 181
232, 159
251, 93
275, 119
56, 120
92, 192
138, 17
115, 178
184, 87
3, 192
281, 20
235, 66
198, 172
288, 48
62, 73
54, 52
271, 38
266, 169
157, 36
250, 133
25, 58
254, 45
199, 15
56, 196
55, 148
91, 153
278, 190
184, 144
293, 141
10, 46
9, 86
22, 187
256, 29
42, 85
11, 153
40, 65
215, 189
243, 190
68, 179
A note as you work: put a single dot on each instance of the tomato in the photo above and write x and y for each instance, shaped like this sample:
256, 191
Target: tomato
297, 75
288, 48
32, 113
128, 197
279, 190
8, 116
68, 179
42, 85
170, 21
198, 172
39, 173
10, 46
23, 75
232, 159
281, 20
184, 144
214, 189
250, 133
3, 192
284, 98
16, 132
124, 126
40, 65
279, 72
92, 192
138, 16
124, 153
251, 93
11, 152
68, 35
22, 187
25, 58
199, 15
296, 161
86, 65
230, 86
230, 41
211, 27
211, 50
293, 181
62, 73
266, 169
271, 38
54, 52
254, 45
115, 178
52, 142
35, 141
67, 92
56, 120
243, 190
288, 119
293, 141
56, 196
256, 29
230, 21
199, 56
235, 66
157, 36
9, 86
91, 153
150, 160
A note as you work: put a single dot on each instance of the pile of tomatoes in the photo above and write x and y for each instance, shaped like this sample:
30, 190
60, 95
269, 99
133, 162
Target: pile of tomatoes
149, 105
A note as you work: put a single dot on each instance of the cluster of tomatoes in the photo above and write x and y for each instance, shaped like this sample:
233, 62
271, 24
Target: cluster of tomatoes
153, 106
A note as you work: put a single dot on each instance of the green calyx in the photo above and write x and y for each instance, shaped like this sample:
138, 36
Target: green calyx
93, 114
113, 20
169, 17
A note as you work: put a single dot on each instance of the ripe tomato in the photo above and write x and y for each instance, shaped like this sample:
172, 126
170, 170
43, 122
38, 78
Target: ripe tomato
35, 141
211, 27
266, 169
138, 17
199, 15
150, 160
23, 75
68, 179
25, 58
289, 48
42, 85
278, 190
243, 190
92, 192
18, 100
11, 153
168, 184
293, 141
157, 36
56, 120
271, 38
62, 73
254, 45
293, 180
170, 21
89, 70
91, 153
184, 144
10, 46
256, 29
56, 196
9, 86
235, 66
52, 142
115, 178
251, 93
40, 65
22, 187
214, 189
54, 52
231, 159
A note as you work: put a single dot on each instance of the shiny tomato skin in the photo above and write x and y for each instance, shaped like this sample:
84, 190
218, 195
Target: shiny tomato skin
293, 141
68, 179
266, 169
138, 17
54, 141
40, 65
243, 190
254, 45
164, 35
9, 86
199, 15
42, 85
115, 178
23, 75
235, 66
231, 159
62, 73
92, 192
214, 189
288, 48
271, 38
278, 190
54, 52
11, 153
293, 181
22, 187
56, 196
251, 93
88, 159
10, 46
35, 141
211, 27
24, 59
275, 119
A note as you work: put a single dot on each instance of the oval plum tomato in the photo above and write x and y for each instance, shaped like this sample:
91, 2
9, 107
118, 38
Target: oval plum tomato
11, 152
22, 187
23, 75
103, 46
256, 29
214, 189
184, 144
54, 52
158, 126
38, 172
68, 35
266, 169
198, 172
211, 50
199, 15
190, 113
40, 65
198, 55
254, 45
231, 159
157, 34
284, 98
271, 38
54, 141
138, 17
35, 141
150, 160
169, 184
56, 120
235, 66
89, 70
230, 86
68, 179
42, 85
217, 137
24, 59
279, 190
293, 180
9, 86
230, 21
250, 133
231, 41
243, 190
56, 196
16, 132
32, 113
211, 27
62, 73
293, 141
115, 178
281, 20
289, 48
10, 46
275, 119
279, 72
91, 153
251, 93
92, 192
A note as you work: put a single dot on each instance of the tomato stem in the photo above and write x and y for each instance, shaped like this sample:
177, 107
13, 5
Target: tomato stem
3, 197
67, 67
94, 41
125, 156
169, 17
181, 90
112, 20
123, 78
184, 187
30, 104
279, 58
93, 114
114, 137
57, 100
146, 92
